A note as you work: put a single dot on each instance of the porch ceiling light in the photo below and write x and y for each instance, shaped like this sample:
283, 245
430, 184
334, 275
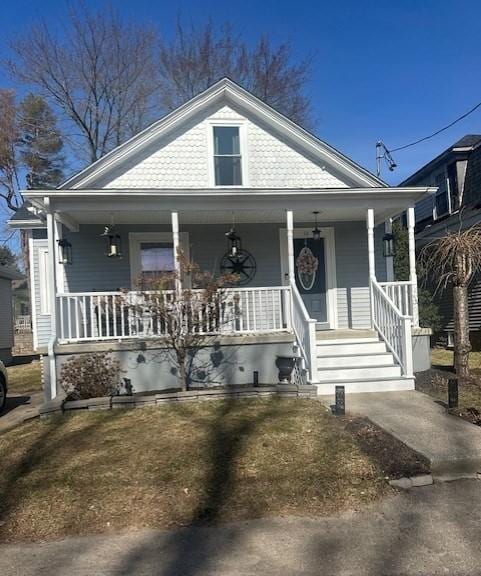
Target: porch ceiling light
316, 233
234, 243
388, 246
113, 243
65, 252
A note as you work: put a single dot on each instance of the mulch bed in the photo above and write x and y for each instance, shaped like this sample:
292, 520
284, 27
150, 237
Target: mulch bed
392, 456
434, 382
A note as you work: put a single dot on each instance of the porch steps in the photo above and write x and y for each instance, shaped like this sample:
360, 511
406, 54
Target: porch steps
359, 364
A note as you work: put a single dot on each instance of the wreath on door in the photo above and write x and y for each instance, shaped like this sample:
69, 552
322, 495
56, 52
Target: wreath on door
307, 265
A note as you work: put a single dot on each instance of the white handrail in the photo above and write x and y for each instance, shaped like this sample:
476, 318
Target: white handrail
304, 328
402, 294
393, 327
87, 316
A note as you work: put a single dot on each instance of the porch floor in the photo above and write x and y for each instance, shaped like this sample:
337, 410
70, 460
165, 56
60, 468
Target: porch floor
345, 333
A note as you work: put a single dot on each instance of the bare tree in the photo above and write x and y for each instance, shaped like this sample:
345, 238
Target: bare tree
99, 71
186, 319
199, 56
454, 260
9, 134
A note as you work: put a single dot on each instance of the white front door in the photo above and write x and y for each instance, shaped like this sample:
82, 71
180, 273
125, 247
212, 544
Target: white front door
315, 273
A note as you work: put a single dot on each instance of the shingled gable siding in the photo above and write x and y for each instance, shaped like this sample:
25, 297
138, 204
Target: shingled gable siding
183, 160
92, 270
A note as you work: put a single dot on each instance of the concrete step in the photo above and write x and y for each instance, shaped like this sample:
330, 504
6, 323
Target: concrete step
375, 372
360, 385
323, 341
351, 349
356, 360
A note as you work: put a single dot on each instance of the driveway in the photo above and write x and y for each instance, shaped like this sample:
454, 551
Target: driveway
428, 531
18, 408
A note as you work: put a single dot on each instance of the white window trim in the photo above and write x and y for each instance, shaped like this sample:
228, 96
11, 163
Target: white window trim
444, 173
33, 303
44, 281
242, 125
327, 233
136, 238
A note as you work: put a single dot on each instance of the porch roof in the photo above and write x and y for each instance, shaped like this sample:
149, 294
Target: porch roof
209, 206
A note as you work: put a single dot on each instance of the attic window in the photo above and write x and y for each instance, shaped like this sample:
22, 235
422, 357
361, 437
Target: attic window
227, 156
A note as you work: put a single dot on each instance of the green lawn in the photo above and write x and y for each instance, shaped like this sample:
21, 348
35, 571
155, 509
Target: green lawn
176, 465
24, 378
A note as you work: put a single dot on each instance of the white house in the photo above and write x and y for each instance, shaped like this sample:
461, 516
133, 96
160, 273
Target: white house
314, 281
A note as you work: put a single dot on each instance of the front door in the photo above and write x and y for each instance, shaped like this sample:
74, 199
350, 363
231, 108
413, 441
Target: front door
310, 274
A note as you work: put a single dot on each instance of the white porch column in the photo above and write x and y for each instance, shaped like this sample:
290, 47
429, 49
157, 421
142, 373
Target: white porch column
371, 256
389, 259
370, 242
52, 296
176, 244
412, 266
290, 245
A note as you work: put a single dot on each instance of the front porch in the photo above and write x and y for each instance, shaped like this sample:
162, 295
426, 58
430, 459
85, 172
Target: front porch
95, 299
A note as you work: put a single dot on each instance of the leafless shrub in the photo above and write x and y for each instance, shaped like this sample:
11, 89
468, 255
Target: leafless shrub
90, 376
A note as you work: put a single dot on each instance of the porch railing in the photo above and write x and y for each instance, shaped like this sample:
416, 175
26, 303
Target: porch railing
393, 326
401, 294
304, 328
84, 316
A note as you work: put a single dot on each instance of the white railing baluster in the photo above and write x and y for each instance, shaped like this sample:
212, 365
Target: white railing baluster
113, 315
393, 325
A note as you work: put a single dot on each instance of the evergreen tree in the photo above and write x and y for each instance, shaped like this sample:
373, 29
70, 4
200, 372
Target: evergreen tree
40, 143
7, 257
429, 316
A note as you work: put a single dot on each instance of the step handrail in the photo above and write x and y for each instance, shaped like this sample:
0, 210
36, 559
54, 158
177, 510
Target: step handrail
393, 327
304, 328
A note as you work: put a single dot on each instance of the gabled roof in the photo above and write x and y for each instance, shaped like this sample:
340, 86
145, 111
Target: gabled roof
10, 273
25, 218
463, 147
227, 91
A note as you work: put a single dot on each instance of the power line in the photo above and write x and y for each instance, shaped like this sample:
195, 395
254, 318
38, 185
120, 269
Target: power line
437, 131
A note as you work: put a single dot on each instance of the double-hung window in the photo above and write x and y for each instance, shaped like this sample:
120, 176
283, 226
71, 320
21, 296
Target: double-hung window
227, 156
441, 201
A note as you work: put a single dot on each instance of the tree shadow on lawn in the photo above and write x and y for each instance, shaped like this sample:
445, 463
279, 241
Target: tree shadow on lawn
43, 449
196, 548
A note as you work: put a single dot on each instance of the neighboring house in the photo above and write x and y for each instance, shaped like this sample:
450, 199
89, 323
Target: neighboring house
311, 223
7, 276
456, 205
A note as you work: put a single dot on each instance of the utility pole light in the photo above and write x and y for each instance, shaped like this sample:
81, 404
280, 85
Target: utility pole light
382, 153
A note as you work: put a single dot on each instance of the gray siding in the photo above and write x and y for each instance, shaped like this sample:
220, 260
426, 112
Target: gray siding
92, 271
6, 321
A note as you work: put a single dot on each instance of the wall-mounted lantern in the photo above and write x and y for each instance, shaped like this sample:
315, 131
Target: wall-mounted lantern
316, 233
113, 247
388, 247
65, 251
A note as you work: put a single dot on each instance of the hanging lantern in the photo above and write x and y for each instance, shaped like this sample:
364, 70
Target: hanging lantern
65, 252
234, 243
316, 233
388, 248
113, 243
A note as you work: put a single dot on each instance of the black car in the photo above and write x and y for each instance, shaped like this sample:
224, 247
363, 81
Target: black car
3, 385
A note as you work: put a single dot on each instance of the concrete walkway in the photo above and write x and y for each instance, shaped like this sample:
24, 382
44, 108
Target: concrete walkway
18, 408
432, 530
452, 445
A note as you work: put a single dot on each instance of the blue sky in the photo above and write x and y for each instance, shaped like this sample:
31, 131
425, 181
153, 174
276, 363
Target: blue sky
394, 70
